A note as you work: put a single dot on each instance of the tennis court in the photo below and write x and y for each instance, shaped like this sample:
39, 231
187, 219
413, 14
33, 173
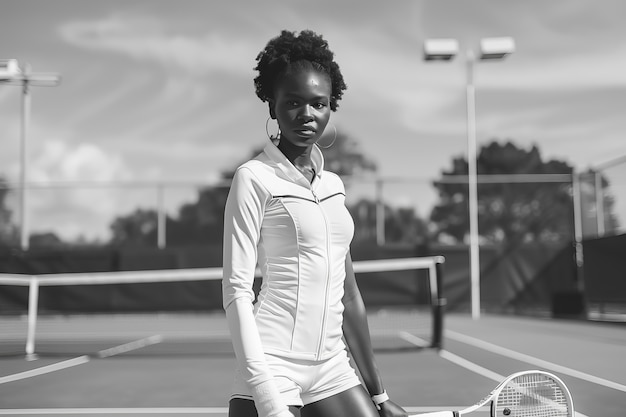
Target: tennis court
180, 372
181, 363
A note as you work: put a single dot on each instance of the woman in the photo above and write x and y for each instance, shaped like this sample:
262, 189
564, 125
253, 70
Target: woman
287, 215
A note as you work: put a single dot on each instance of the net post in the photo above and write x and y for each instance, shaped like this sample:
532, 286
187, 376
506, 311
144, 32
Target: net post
439, 303
33, 301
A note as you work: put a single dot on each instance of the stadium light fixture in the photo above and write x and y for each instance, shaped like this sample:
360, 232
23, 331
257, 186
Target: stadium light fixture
9, 68
12, 74
440, 49
489, 49
496, 48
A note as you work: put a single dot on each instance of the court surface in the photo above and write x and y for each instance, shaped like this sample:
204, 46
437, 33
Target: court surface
143, 377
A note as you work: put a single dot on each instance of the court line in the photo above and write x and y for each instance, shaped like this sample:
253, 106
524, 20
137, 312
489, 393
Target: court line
138, 410
487, 373
104, 353
411, 338
127, 347
45, 369
533, 360
163, 410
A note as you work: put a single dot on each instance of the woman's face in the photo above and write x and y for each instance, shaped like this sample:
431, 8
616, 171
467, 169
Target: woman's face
301, 106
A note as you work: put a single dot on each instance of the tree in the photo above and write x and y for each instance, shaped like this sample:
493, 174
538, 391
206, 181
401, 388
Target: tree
402, 224
508, 212
138, 228
9, 231
46, 240
345, 158
202, 221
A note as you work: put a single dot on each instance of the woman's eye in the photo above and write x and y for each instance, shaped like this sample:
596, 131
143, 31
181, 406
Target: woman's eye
319, 105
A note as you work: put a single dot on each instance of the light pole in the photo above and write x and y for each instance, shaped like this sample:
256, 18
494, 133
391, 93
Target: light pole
12, 74
489, 49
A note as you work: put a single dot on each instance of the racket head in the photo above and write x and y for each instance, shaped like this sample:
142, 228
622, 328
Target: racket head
532, 394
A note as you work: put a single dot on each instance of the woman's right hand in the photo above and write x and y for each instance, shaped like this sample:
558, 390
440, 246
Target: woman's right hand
391, 409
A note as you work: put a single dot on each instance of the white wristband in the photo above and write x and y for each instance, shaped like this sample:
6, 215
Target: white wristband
378, 399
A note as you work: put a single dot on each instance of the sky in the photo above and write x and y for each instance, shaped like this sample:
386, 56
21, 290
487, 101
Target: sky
161, 90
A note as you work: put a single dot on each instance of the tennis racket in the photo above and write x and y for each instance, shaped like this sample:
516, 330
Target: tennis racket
523, 394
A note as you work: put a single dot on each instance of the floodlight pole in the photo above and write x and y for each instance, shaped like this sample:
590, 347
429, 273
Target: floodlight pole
445, 50
472, 175
10, 74
26, 108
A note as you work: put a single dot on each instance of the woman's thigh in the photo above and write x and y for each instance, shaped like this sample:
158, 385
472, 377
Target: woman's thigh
239, 407
352, 402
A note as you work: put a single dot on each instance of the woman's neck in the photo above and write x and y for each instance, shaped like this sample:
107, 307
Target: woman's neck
300, 157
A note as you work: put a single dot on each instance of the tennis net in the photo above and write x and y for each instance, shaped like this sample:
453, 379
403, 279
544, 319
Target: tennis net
403, 297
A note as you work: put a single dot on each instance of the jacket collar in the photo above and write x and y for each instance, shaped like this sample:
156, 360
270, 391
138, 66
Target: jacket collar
317, 158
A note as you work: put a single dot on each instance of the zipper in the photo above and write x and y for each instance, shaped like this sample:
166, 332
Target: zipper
317, 200
322, 336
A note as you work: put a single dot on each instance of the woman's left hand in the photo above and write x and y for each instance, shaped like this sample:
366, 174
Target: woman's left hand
391, 409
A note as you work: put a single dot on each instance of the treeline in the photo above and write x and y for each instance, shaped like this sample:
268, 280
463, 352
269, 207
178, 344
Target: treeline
509, 212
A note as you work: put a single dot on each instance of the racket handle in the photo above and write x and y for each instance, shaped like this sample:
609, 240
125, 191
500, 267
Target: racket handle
437, 414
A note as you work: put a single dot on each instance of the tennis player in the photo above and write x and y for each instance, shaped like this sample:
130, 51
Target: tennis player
287, 215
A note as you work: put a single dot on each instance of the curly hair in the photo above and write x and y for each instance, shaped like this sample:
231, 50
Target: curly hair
292, 51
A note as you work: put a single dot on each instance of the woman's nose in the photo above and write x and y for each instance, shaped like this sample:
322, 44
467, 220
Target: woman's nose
306, 113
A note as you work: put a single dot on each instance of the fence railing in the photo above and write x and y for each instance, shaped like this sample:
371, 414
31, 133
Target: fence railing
409, 191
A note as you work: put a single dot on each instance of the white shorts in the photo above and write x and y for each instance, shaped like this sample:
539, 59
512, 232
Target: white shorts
303, 382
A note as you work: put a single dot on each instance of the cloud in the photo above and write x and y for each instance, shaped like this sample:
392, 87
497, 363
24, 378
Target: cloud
147, 39
83, 209
57, 161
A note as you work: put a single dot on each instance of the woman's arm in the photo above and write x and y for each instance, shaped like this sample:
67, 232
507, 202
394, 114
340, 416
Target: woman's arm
356, 332
252, 363
242, 224
357, 335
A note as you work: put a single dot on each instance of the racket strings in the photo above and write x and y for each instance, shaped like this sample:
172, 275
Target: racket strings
532, 395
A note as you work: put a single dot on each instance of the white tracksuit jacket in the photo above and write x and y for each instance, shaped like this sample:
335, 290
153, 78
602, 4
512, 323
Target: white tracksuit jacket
299, 235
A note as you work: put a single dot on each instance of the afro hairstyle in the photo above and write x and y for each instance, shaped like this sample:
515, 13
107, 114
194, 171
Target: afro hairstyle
289, 51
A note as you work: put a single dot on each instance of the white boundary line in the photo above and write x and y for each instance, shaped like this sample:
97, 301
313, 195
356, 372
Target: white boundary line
487, 373
138, 410
127, 347
105, 353
45, 369
417, 341
162, 410
534, 361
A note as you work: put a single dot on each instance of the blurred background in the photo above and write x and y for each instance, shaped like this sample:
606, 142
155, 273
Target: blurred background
125, 164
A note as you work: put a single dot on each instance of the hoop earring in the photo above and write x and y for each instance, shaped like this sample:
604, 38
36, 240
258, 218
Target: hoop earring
332, 142
267, 132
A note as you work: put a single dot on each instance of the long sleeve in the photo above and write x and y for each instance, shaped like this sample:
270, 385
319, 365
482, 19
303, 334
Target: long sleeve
243, 217
249, 354
242, 223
